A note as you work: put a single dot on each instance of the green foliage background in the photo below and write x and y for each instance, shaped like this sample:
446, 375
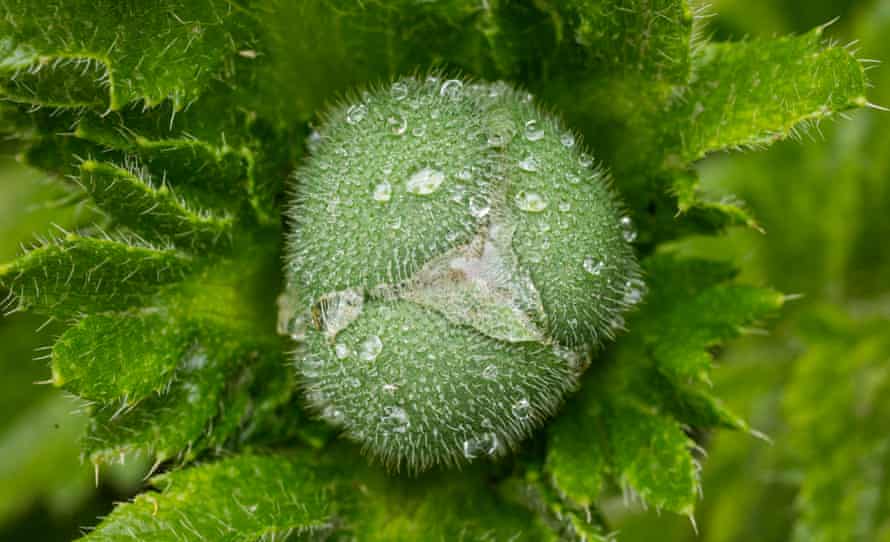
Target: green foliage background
817, 386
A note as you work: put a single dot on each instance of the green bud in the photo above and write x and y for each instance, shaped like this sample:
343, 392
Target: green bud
454, 258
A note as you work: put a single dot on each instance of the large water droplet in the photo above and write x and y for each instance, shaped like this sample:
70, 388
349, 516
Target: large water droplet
398, 91
383, 192
567, 139
342, 351
529, 163
426, 181
397, 124
333, 415
479, 206
451, 88
634, 290
530, 201
484, 444
395, 419
497, 140
627, 229
371, 348
356, 113
533, 130
593, 266
522, 409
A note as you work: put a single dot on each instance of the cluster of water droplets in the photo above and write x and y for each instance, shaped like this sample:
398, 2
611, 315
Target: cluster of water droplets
427, 213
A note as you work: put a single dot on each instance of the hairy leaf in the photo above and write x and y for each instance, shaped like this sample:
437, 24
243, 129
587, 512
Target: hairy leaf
129, 51
284, 498
755, 92
82, 274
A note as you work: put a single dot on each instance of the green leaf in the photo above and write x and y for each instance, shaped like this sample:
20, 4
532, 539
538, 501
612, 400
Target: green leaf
689, 312
248, 497
135, 200
753, 93
123, 52
650, 455
637, 39
437, 506
578, 454
121, 355
83, 274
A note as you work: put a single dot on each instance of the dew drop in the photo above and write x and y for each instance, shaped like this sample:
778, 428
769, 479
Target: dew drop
572, 178
593, 267
490, 372
370, 348
395, 419
465, 174
398, 91
567, 139
296, 327
451, 89
530, 201
522, 409
353, 383
342, 351
634, 290
484, 444
585, 159
333, 415
533, 130
419, 131
425, 181
356, 113
313, 141
627, 229
565, 206
479, 206
390, 388
382, 192
397, 124
497, 140
529, 163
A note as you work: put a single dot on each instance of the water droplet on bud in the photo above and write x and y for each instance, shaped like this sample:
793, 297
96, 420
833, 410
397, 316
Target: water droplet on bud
383, 192
371, 348
533, 130
451, 88
398, 91
356, 113
592, 266
425, 182
567, 139
627, 229
479, 206
397, 124
522, 409
529, 163
530, 201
